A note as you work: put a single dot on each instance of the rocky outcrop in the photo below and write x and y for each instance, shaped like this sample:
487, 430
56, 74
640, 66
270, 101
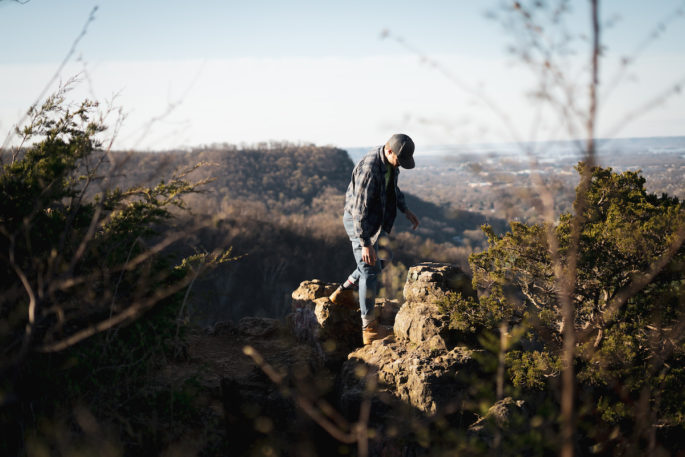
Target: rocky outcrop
420, 320
428, 282
303, 297
339, 329
423, 378
412, 383
334, 330
421, 366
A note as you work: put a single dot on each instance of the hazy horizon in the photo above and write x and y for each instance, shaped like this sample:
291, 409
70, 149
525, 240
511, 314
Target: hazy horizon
309, 72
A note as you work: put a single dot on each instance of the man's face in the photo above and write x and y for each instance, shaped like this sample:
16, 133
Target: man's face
392, 158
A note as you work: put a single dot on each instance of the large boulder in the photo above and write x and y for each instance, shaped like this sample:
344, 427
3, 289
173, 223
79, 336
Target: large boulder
422, 372
303, 321
422, 324
334, 330
387, 310
427, 380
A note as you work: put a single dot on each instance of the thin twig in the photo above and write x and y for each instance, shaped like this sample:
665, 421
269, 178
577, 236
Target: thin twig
70, 53
129, 314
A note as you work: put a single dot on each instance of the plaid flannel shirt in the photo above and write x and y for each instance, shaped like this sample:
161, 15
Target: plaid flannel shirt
366, 197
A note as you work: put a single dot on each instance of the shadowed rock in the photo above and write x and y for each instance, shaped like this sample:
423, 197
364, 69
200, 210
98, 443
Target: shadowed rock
334, 330
506, 417
258, 326
339, 329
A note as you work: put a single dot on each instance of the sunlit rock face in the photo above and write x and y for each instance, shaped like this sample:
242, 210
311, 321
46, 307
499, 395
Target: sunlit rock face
423, 378
420, 320
308, 291
421, 364
428, 282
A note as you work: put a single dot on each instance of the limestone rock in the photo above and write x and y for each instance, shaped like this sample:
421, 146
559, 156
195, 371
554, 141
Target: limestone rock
339, 329
507, 415
428, 282
425, 379
333, 330
421, 323
387, 310
308, 291
420, 320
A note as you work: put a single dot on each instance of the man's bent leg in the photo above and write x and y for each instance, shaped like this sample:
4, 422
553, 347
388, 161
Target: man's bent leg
365, 274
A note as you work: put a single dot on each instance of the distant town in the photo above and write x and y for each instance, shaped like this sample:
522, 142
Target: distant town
499, 179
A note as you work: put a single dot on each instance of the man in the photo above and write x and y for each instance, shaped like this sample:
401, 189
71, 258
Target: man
371, 204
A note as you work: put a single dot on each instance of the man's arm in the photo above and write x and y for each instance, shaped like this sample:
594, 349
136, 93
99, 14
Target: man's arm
402, 206
412, 218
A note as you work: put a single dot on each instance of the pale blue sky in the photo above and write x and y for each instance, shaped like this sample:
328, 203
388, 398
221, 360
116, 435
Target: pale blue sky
316, 70
174, 29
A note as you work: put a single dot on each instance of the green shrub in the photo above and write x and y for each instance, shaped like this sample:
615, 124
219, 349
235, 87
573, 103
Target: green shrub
630, 341
90, 299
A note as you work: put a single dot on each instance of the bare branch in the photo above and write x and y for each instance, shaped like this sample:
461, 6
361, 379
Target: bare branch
658, 100
628, 61
301, 401
70, 282
129, 314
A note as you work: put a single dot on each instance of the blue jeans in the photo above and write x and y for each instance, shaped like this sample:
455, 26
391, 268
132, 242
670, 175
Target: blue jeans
365, 275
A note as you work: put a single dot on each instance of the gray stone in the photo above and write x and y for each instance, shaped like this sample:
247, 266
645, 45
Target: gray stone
500, 419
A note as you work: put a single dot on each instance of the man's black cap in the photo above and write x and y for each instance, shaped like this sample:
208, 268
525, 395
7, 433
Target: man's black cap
403, 147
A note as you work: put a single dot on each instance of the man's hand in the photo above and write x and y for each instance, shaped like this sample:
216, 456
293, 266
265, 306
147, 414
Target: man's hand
369, 255
412, 218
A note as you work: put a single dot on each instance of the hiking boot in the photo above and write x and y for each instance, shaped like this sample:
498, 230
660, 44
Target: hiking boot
375, 331
344, 297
